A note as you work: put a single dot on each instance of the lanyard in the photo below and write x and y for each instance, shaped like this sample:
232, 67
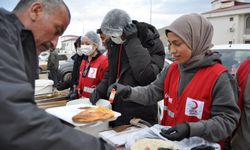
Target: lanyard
83, 74
119, 64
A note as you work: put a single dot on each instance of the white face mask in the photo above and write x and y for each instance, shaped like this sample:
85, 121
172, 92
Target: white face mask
87, 49
117, 40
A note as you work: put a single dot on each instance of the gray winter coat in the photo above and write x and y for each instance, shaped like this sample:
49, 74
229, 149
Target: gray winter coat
23, 125
224, 112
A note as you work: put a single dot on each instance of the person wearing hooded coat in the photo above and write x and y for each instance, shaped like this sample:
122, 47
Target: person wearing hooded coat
135, 60
72, 83
199, 94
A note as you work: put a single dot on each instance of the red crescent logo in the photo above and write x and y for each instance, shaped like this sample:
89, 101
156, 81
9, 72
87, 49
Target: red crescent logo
93, 71
195, 106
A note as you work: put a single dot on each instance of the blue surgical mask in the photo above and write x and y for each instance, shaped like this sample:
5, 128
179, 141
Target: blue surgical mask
87, 50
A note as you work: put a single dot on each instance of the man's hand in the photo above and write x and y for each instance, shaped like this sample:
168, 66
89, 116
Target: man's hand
61, 86
121, 90
130, 31
73, 95
177, 133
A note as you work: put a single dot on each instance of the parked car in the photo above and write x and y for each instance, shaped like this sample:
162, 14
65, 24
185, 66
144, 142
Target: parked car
43, 56
233, 55
43, 61
65, 70
167, 62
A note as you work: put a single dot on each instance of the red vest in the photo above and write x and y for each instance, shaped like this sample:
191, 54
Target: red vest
93, 77
242, 75
194, 104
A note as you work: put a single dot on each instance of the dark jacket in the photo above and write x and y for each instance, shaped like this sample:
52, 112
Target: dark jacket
23, 125
53, 61
142, 59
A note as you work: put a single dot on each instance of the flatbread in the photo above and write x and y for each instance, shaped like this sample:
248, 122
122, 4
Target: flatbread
93, 114
152, 144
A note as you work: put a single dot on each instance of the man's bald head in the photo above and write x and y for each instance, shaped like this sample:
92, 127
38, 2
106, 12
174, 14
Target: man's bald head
50, 5
47, 19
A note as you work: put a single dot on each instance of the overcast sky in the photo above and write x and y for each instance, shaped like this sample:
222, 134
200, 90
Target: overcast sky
88, 14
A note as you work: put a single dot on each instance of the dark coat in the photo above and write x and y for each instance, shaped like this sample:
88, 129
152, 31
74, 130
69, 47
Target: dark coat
53, 61
23, 125
141, 60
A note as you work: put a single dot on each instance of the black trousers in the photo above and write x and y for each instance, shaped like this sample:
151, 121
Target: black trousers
53, 75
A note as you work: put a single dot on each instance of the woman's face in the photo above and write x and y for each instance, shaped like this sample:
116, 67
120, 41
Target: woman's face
87, 41
178, 48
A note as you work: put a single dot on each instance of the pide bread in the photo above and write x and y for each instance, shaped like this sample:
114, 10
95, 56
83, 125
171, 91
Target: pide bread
93, 114
152, 144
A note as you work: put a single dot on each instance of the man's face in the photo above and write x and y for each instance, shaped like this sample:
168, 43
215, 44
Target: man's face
47, 27
104, 39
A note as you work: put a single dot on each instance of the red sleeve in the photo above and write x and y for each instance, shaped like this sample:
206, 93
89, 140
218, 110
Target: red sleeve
103, 68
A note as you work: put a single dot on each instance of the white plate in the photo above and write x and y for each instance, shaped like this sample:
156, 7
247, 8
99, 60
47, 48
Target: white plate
67, 112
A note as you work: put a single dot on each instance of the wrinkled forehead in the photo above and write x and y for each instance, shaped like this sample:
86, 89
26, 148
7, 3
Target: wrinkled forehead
60, 17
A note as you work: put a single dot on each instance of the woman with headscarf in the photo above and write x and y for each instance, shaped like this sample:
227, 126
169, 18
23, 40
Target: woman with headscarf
199, 94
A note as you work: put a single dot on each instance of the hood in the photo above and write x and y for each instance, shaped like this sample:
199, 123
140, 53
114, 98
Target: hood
146, 33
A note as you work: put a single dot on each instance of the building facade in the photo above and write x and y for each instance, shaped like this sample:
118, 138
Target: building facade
231, 21
67, 44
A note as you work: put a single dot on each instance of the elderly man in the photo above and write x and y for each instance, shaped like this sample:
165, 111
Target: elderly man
33, 25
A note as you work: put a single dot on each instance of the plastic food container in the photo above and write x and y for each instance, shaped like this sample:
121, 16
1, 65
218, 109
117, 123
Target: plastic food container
100, 102
97, 127
43, 86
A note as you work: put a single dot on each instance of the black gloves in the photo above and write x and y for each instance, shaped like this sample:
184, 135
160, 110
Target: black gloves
121, 90
177, 133
62, 86
130, 31
73, 95
94, 97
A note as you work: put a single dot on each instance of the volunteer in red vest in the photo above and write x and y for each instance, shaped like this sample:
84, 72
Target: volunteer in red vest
93, 66
199, 94
241, 139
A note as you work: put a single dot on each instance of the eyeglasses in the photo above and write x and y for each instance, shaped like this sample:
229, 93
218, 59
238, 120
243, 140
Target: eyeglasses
86, 70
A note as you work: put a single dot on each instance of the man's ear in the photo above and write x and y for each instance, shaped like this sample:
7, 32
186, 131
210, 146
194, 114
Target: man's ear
36, 10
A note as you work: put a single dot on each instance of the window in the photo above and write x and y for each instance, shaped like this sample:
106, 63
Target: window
62, 57
231, 58
231, 19
248, 25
